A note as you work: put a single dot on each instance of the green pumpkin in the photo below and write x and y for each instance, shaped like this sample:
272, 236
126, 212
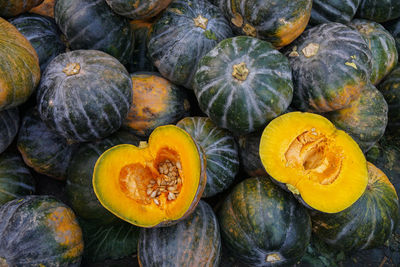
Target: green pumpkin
12, 8
243, 83
249, 145
9, 124
134, 9
379, 10
324, 11
393, 27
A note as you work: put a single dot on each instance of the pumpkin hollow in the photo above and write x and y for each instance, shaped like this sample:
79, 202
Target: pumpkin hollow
155, 184
321, 165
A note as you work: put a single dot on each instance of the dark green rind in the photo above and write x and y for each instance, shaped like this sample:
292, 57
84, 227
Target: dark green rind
249, 154
15, 179
140, 60
12, 8
365, 119
320, 80
195, 241
43, 33
379, 10
89, 24
243, 106
220, 150
382, 46
176, 45
79, 187
258, 220
9, 124
89, 105
138, 9
324, 11
393, 27
26, 239
42, 149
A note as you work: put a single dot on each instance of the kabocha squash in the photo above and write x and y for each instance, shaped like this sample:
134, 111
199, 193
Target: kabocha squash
89, 24
84, 95
12, 8
379, 10
195, 241
220, 150
243, 83
15, 179
19, 67
155, 184
140, 60
39, 231
393, 27
155, 102
342, 11
321, 165
249, 145
368, 223
262, 225
134, 9
382, 46
9, 124
365, 119
331, 64
278, 22
184, 33
45, 9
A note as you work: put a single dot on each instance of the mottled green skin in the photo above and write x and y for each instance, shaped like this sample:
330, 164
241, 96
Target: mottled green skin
365, 119
258, 220
243, 106
249, 146
15, 178
324, 11
12, 8
9, 124
79, 187
220, 150
393, 27
140, 60
382, 46
138, 9
96, 27
43, 149
379, 10
195, 241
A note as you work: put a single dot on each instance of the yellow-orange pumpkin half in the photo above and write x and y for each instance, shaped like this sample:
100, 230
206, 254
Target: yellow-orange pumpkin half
321, 165
156, 184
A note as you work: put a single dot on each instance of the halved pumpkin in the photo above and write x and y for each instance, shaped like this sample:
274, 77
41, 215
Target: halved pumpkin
156, 184
321, 165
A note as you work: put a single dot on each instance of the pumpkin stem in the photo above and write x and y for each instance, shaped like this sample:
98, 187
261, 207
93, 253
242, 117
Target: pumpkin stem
273, 257
240, 71
249, 30
72, 69
237, 20
143, 144
201, 22
310, 50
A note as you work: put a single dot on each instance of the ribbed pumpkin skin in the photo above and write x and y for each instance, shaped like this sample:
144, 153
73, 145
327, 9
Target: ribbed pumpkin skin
342, 11
9, 124
15, 179
19, 67
79, 187
278, 22
368, 223
134, 9
379, 10
393, 27
195, 241
331, 64
39, 231
172, 37
12, 8
264, 226
382, 46
45, 9
88, 105
365, 119
249, 145
140, 60
44, 35
89, 24
220, 150
243, 106
42, 149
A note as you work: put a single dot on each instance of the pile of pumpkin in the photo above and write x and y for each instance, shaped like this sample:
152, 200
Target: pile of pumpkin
193, 133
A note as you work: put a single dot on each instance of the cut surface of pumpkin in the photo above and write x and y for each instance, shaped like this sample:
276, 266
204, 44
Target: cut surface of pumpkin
320, 164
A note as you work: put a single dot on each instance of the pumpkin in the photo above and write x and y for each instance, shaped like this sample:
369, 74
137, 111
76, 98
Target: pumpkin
9, 124
378, 10
322, 166
324, 11
97, 27
12, 8
183, 34
243, 83
331, 64
39, 231
262, 225
84, 95
382, 46
19, 67
79, 187
368, 223
249, 145
15, 178
195, 241
393, 27
155, 102
365, 119
45, 9
42, 149
220, 150
142, 9
160, 181
278, 22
